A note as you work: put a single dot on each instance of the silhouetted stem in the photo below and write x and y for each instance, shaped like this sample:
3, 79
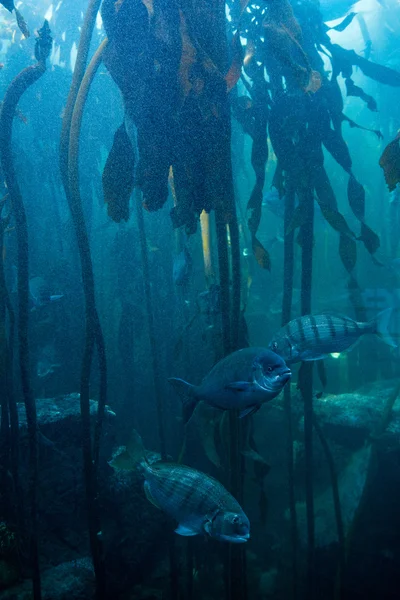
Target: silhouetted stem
93, 332
155, 357
336, 503
17, 88
307, 232
79, 71
288, 270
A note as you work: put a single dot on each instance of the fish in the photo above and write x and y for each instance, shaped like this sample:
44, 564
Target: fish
314, 337
39, 293
46, 364
45, 367
199, 503
209, 301
243, 380
182, 267
276, 205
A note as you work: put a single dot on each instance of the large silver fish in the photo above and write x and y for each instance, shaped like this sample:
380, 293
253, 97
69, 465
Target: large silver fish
313, 337
243, 380
198, 502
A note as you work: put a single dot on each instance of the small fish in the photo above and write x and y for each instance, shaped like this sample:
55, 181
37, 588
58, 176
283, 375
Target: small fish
276, 205
45, 368
39, 293
210, 300
46, 363
198, 502
182, 267
243, 380
313, 337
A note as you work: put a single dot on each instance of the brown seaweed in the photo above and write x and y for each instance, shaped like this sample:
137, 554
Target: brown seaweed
390, 163
118, 176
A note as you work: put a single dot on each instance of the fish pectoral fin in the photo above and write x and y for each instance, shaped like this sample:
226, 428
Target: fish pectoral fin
185, 531
250, 410
239, 386
149, 495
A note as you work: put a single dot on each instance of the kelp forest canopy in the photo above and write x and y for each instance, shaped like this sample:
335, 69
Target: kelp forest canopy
178, 80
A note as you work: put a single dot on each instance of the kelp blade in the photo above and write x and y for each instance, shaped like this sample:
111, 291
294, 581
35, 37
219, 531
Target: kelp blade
118, 176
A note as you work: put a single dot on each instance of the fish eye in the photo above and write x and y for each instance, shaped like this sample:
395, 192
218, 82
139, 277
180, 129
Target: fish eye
270, 369
235, 519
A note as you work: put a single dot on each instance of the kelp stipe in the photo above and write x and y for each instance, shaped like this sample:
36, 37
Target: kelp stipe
69, 166
9, 433
17, 88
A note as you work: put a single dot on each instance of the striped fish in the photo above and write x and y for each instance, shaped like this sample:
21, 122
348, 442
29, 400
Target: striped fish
199, 503
313, 337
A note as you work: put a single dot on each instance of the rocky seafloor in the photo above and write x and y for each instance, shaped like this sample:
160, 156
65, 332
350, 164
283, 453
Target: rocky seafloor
136, 535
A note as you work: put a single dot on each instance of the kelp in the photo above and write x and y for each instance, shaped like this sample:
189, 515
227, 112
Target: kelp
118, 176
354, 90
11, 499
17, 88
69, 168
170, 96
8, 4
390, 163
150, 323
299, 124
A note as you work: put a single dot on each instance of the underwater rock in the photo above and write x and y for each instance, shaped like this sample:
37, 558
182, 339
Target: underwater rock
61, 492
51, 411
68, 581
135, 532
268, 581
144, 593
131, 527
350, 418
351, 482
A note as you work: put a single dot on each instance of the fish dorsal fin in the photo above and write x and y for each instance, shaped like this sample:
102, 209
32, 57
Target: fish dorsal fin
149, 494
336, 313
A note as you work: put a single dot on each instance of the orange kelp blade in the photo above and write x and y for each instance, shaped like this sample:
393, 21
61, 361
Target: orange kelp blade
390, 163
118, 176
235, 69
314, 82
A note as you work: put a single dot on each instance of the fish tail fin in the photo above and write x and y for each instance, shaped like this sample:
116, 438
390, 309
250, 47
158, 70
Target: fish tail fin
132, 457
380, 326
188, 396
